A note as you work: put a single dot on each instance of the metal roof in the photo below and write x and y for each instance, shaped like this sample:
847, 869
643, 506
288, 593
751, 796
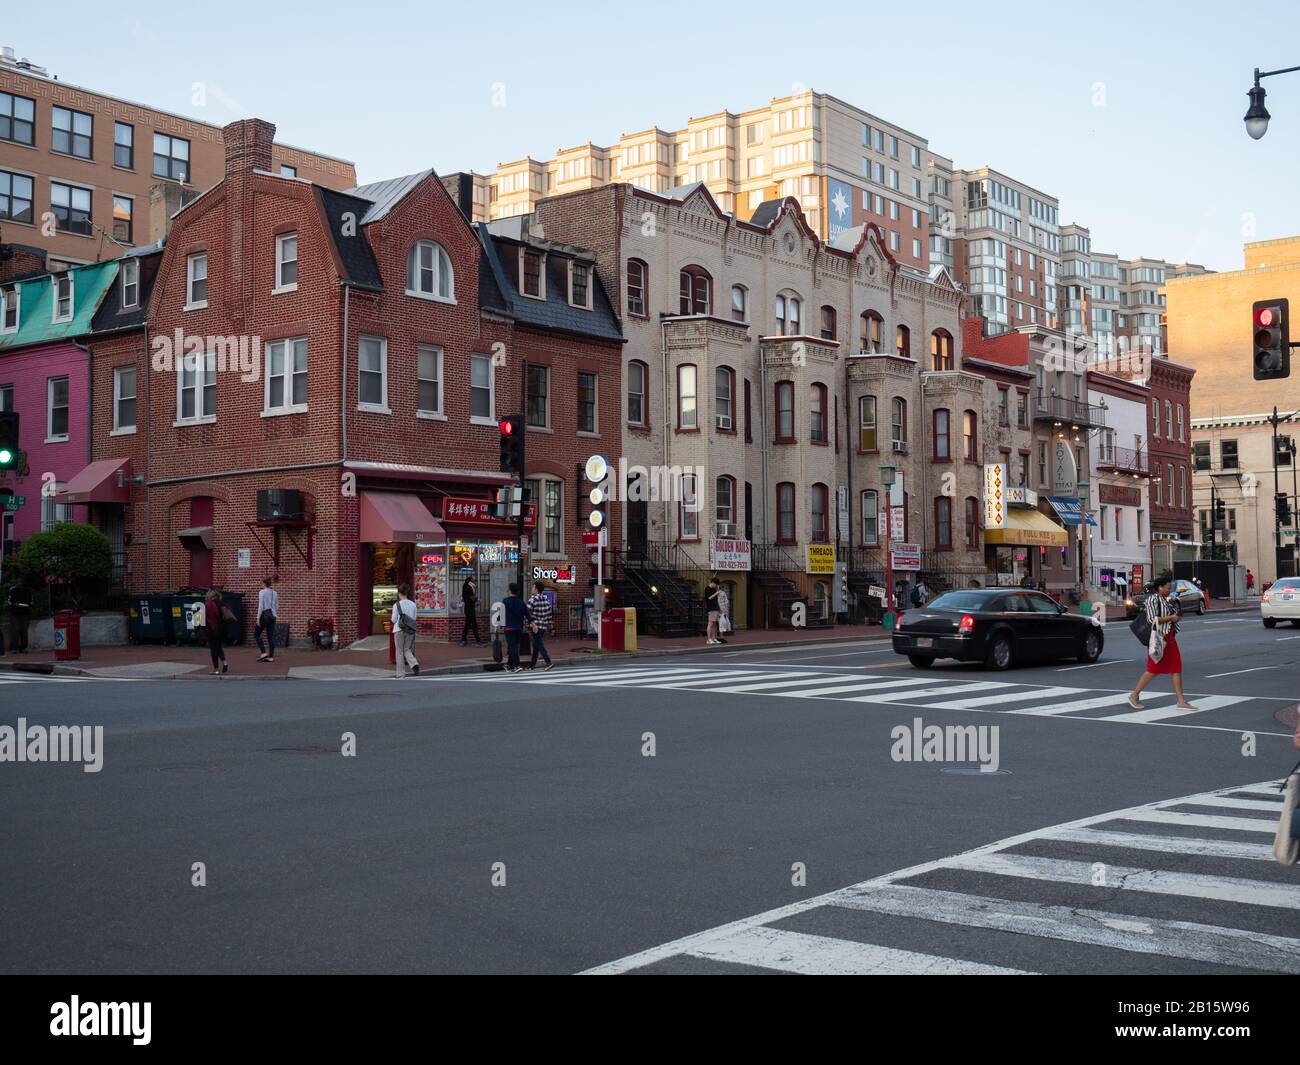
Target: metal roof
385, 195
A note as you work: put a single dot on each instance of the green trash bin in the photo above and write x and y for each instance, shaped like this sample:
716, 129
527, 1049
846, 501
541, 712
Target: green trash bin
1085, 607
887, 621
149, 619
186, 605
233, 633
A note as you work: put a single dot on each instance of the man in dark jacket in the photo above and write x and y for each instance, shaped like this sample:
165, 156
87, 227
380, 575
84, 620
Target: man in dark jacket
517, 616
469, 598
20, 614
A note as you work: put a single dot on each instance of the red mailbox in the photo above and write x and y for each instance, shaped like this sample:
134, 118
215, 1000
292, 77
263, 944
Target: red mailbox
67, 634
613, 627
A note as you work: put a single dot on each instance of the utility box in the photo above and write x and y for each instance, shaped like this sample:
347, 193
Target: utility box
613, 628
629, 628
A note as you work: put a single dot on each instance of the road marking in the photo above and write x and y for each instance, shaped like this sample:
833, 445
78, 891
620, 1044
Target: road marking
767, 680
787, 647
847, 654
1173, 817
656, 678
1283, 639
1203, 703
720, 676
1237, 672
1094, 665
1230, 803
1069, 708
947, 689
1004, 697
868, 684
1142, 841
738, 689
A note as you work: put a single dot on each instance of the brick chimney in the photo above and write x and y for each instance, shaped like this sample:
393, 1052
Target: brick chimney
248, 145
165, 199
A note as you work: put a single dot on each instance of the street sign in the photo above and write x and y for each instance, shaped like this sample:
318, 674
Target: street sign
907, 556
590, 537
899, 530
15, 502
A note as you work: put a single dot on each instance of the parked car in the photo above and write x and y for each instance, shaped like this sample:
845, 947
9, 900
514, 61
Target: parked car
996, 626
1281, 602
1189, 595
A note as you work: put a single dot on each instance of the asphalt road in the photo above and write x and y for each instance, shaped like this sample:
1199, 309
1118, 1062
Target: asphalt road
519, 823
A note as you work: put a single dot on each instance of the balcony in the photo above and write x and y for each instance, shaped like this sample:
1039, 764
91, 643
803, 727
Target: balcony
1113, 459
1067, 411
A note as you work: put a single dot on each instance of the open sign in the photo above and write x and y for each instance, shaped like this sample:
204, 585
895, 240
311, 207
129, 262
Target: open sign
556, 574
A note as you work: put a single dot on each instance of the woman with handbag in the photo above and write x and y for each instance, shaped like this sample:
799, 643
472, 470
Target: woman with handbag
724, 613
215, 616
268, 610
1163, 657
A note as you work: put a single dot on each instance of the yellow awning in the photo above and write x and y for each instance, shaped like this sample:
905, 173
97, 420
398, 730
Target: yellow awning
1028, 528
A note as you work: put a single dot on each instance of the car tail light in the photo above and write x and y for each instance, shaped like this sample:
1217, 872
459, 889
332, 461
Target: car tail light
1266, 597
966, 625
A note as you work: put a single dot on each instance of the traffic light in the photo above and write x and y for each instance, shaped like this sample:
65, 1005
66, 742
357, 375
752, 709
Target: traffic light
597, 471
1283, 506
501, 508
1220, 512
1271, 331
8, 440
512, 443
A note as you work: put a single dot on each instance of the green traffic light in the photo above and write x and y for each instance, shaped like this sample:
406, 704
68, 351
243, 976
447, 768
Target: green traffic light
6, 456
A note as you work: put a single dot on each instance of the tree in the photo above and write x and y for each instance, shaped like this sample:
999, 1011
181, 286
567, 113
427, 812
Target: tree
67, 555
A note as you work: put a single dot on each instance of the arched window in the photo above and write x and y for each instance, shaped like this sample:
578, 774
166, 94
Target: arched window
898, 424
941, 350
724, 398
638, 378
972, 523
724, 505
969, 437
821, 503
903, 342
870, 518
828, 322
867, 424
787, 311
785, 412
818, 414
785, 527
739, 303
695, 291
687, 403
943, 523
869, 334
428, 272
638, 287
688, 510
821, 604
942, 434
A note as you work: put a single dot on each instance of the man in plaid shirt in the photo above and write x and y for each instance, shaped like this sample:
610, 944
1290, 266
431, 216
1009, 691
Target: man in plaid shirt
539, 604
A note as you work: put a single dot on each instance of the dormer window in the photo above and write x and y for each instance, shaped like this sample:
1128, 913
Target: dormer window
429, 274
286, 262
63, 298
9, 309
531, 278
196, 282
580, 285
130, 283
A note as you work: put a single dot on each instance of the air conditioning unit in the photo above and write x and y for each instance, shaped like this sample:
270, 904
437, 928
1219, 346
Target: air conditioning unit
724, 421
724, 530
279, 504
899, 447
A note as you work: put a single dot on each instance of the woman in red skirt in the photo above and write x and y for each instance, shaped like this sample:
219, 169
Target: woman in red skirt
1162, 649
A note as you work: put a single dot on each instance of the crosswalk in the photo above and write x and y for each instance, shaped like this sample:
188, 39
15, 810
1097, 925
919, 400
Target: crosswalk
41, 678
925, 690
1190, 881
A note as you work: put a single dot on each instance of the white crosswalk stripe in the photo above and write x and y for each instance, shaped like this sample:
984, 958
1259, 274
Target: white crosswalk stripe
1197, 901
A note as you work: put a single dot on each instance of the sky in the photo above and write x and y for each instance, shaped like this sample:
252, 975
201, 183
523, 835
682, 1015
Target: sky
1129, 113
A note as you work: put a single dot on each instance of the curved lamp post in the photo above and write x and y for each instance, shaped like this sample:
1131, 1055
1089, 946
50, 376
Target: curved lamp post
1257, 116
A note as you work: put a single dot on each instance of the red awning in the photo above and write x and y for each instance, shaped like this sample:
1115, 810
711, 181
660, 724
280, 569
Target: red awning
388, 517
99, 483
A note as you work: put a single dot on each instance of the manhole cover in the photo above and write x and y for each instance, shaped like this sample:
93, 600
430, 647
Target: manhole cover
974, 771
374, 695
310, 749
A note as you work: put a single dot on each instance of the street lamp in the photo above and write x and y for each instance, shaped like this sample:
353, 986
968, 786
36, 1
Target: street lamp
1257, 116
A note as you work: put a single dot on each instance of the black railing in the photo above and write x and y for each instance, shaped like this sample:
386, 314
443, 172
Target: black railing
1067, 410
774, 558
1123, 459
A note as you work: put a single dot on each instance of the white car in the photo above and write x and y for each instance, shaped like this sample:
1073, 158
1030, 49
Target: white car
1281, 602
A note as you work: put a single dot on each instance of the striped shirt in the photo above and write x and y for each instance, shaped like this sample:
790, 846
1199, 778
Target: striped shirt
542, 611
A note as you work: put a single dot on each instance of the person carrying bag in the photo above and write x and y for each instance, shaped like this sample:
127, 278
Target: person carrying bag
268, 610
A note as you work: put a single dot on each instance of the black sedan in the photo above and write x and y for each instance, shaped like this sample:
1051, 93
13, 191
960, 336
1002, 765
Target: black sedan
1189, 596
996, 626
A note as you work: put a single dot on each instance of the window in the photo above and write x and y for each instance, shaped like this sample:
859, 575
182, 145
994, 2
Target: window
943, 523
637, 276
52, 511
1024, 470
1227, 457
6, 397
972, 523
171, 157
196, 286
818, 414
688, 510
428, 272
288, 171
123, 208
580, 285
1169, 420
63, 304
724, 395
898, 426
9, 297
1201, 456
821, 603
739, 302
1105, 517
196, 388
286, 262
71, 207
785, 412
695, 290
828, 323
1182, 486
637, 376
428, 380
586, 402
1156, 490
372, 374
724, 505
1022, 410
942, 450
687, 414
548, 494
17, 119
124, 399
538, 389
785, 527
531, 277
1169, 481
481, 389
867, 423
1119, 524
903, 342
56, 420
969, 437
71, 132
821, 496
1003, 417
941, 350
1181, 428
15, 197
749, 436
787, 315
870, 518
869, 333
1042, 462
286, 376
1155, 416
1284, 451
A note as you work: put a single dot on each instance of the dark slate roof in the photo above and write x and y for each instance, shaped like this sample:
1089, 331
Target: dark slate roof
490, 296
359, 265
554, 312
766, 212
111, 317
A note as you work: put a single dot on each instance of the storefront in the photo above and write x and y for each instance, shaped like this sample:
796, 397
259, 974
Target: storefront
392, 525
1019, 548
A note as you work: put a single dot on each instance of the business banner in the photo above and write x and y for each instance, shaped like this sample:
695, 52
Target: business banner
995, 503
820, 558
729, 555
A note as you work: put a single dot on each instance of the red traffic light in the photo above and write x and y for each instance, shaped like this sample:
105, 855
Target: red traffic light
506, 426
1266, 317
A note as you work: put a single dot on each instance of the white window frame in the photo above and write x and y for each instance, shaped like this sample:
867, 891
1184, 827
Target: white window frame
539, 538
439, 260
190, 365
58, 281
15, 291
541, 274
287, 374
50, 437
130, 275
191, 262
591, 274
643, 371
438, 413
688, 521
52, 511
282, 260
382, 406
118, 428
491, 418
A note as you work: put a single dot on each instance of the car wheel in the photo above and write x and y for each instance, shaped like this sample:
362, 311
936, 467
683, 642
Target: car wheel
1200, 606
1296, 622
1091, 649
1269, 622
999, 655
921, 661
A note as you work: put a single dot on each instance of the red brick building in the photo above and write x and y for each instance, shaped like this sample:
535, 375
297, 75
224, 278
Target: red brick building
348, 353
1169, 442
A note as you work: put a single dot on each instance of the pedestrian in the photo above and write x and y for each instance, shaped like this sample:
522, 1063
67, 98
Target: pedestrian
724, 612
268, 610
920, 594
711, 607
214, 624
543, 611
20, 615
1163, 657
1250, 581
469, 600
517, 616
405, 626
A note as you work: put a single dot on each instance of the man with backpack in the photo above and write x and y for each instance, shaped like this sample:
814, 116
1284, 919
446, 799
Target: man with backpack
517, 616
405, 626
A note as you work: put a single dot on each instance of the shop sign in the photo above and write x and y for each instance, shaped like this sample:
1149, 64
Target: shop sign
907, 556
556, 573
730, 555
1065, 469
460, 511
1138, 576
820, 558
876, 592
590, 537
1119, 495
995, 500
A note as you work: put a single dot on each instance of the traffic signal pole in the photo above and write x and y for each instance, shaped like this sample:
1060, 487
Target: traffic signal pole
523, 461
